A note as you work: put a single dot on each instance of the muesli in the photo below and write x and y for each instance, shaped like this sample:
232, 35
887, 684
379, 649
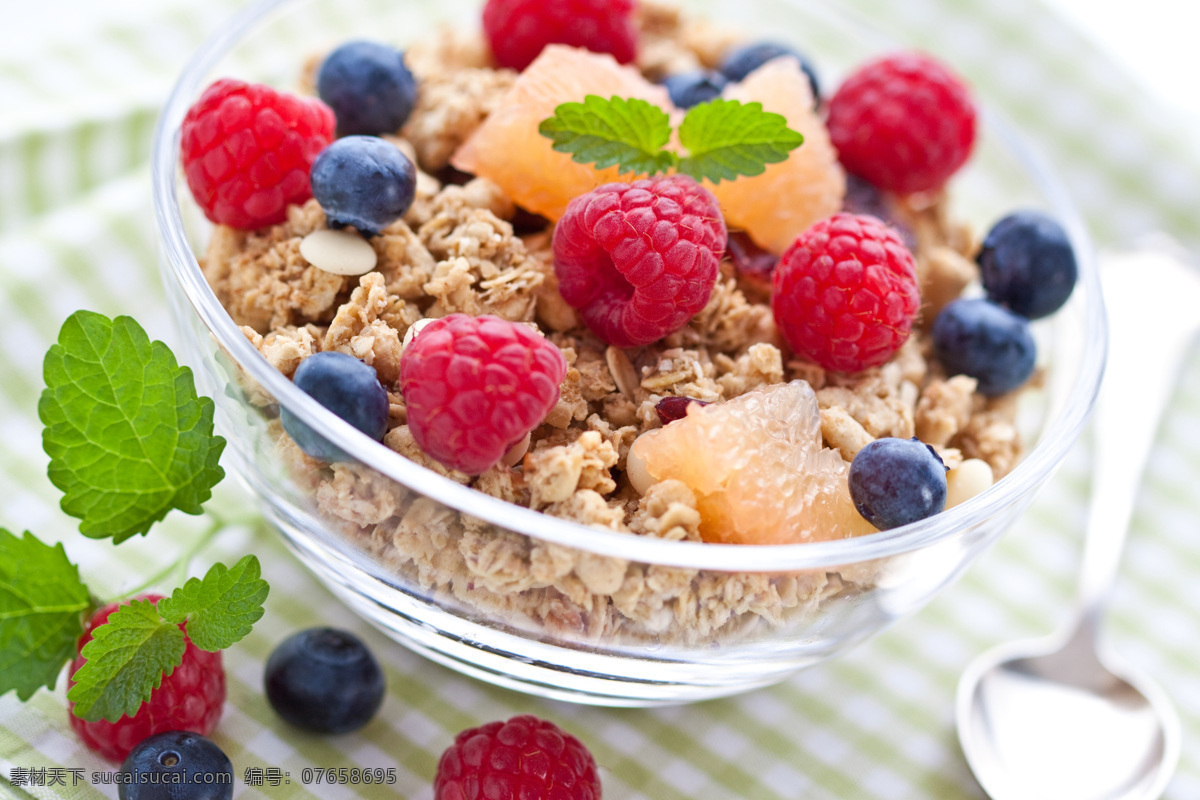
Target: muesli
475, 238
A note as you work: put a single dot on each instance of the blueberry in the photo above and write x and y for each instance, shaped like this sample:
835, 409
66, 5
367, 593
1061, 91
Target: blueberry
741, 62
987, 342
176, 765
324, 680
1028, 264
897, 481
689, 89
368, 87
363, 181
863, 197
348, 388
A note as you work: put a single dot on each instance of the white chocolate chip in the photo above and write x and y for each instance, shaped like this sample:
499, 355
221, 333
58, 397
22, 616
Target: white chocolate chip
516, 452
635, 467
967, 480
339, 252
412, 332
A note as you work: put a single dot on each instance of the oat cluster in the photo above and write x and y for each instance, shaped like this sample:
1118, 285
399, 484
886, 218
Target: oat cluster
464, 247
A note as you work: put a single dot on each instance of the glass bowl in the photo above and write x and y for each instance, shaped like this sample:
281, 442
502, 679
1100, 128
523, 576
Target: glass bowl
545, 605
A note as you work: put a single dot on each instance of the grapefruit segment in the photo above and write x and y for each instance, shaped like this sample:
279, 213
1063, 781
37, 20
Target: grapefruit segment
758, 468
508, 149
781, 203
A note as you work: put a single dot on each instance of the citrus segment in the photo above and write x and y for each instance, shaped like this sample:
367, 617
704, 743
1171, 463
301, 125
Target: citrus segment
508, 149
780, 204
758, 469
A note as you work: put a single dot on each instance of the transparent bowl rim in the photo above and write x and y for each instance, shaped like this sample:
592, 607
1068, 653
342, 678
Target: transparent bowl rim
1034, 469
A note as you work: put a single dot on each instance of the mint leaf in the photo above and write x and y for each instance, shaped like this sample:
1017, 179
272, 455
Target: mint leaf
726, 138
220, 609
127, 659
43, 605
627, 132
128, 438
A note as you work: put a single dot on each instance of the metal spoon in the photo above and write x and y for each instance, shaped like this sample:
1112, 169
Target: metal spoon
1058, 718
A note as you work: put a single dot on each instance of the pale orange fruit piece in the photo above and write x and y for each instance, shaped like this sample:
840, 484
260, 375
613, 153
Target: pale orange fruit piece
508, 149
780, 204
757, 468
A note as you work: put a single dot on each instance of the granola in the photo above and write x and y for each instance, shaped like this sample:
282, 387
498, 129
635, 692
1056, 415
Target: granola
458, 249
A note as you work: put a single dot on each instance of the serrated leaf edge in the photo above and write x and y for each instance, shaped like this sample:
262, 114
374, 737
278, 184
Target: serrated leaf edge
763, 152
246, 565
643, 154
75, 623
92, 650
53, 416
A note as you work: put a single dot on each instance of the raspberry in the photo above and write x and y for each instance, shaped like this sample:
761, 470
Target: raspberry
190, 698
474, 386
639, 260
525, 758
845, 293
519, 29
904, 122
247, 151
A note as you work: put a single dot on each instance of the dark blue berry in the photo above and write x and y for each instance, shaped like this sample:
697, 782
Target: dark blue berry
368, 87
348, 388
365, 182
987, 342
689, 89
741, 62
176, 765
897, 481
1028, 264
324, 680
863, 197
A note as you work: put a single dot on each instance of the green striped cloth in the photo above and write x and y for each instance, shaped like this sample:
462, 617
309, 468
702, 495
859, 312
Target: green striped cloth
76, 230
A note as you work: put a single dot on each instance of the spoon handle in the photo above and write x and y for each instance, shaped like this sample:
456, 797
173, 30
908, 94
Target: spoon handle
1152, 300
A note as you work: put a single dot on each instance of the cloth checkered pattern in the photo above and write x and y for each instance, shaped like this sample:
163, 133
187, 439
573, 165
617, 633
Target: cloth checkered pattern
76, 230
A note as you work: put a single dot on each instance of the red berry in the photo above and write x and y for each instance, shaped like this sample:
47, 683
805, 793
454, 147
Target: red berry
905, 123
247, 151
752, 264
519, 29
189, 699
845, 293
474, 386
675, 408
525, 758
639, 260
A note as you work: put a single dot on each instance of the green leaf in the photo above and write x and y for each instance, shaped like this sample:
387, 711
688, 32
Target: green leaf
43, 605
726, 138
128, 438
220, 609
627, 132
127, 659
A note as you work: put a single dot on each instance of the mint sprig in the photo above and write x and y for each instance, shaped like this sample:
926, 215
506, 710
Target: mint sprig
141, 643
220, 609
127, 659
724, 138
628, 133
43, 605
128, 438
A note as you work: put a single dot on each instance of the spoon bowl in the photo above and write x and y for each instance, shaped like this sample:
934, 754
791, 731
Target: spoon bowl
1061, 718
1101, 730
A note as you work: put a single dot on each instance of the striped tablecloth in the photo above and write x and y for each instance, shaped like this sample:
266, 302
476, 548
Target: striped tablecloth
79, 95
